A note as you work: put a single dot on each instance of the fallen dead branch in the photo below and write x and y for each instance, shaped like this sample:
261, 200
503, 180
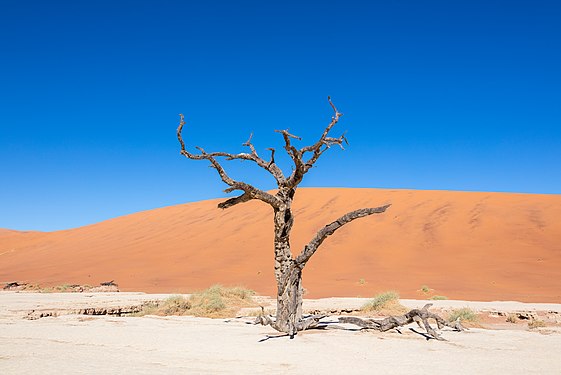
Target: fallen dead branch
419, 316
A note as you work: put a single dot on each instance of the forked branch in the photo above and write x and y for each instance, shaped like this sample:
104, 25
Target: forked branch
324, 141
298, 156
302, 166
329, 229
250, 192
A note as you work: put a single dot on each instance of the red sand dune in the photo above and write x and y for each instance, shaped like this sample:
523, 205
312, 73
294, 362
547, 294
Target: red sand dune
477, 246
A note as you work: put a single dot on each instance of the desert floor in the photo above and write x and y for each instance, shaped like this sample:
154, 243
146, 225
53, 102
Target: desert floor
85, 344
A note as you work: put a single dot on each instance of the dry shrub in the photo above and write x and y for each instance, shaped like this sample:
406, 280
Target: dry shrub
175, 305
438, 298
36, 288
512, 318
33, 288
258, 312
536, 324
465, 314
71, 288
386, 303
221, 302
215, 302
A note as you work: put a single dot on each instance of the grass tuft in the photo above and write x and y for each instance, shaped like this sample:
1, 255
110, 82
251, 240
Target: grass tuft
386, 302
465, 314
176, 305
438, 298
512, 318
536, 324
215, 302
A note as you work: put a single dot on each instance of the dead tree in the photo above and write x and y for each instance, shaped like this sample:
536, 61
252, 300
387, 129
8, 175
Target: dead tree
288, 268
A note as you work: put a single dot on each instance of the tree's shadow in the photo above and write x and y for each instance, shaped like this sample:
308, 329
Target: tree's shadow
267, 337
425, 335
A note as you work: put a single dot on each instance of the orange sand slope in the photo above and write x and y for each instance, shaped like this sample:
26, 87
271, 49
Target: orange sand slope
476, 246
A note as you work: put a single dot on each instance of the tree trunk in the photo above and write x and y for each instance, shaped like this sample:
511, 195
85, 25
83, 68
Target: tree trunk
288, 270
289, 303
287, 274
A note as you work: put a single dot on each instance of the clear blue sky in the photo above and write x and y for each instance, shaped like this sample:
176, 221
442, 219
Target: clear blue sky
451, 95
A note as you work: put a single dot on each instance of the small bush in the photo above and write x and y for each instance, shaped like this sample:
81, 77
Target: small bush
175, 305
381, 300
208, 301
214, 302
220, 302
465, 314
512, 318
68, 288
63, 288
234, 292
387, 302
438, 298
361, 281
425, 289
536, 324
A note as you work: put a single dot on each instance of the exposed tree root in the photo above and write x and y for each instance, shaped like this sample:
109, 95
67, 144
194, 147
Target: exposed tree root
419, 316
302, 325
416, 315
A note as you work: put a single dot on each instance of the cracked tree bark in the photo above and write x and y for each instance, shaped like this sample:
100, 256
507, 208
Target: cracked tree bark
288, 269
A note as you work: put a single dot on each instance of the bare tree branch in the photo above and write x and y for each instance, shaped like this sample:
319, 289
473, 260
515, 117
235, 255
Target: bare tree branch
324, 141
329, 229
250, 192
272, 161
301, 166
292, 151
296, 155
269, 166
233, 201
